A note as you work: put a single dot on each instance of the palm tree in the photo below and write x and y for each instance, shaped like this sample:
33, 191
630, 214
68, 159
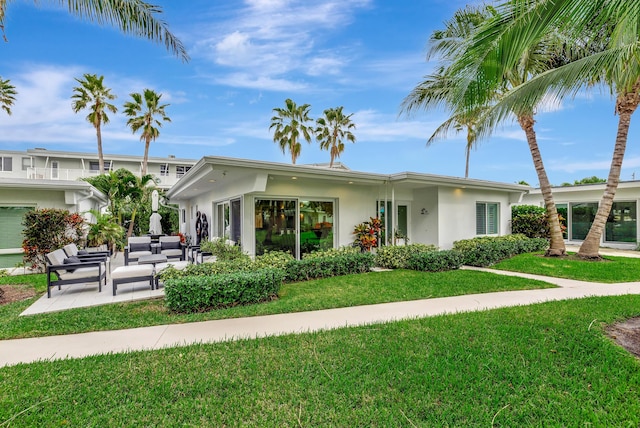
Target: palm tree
93, 95
289, 123
610, 37
332, 129
7, 95
444, 89
134, 17
142, 116
433, 91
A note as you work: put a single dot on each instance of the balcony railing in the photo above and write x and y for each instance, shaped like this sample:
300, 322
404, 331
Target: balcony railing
75, 174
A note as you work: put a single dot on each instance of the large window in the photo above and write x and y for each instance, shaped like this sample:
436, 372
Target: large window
582, 215
621, 224
487, 214
229, 219
316, 226
563, 216
164, 170
293, 225
6, 164
275, 224
95, 166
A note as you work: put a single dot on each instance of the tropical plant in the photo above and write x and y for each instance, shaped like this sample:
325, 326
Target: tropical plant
145, 113
7, 94
47, 230
105, 231
332, 129
436, 90
290, 124
135, 17
126, 193
461, 94
609, 35
93, 95
368, 233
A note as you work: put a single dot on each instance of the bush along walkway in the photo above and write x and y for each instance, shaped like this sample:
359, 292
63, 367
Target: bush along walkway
158, 337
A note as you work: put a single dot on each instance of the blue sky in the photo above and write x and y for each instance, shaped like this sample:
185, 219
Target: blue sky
248, 56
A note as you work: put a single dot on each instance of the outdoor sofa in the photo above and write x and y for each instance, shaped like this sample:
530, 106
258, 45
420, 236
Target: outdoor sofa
62, 270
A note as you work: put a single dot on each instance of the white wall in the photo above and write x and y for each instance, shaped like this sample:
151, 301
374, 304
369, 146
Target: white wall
457, 213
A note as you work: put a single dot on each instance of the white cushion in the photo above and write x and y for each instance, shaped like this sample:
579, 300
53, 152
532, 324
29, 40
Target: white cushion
138, 254
133, 271
84, 272
172, 253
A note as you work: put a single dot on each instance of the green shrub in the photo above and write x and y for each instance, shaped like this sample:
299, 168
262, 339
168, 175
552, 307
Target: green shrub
332, 252
487, 250
222, 250
529, 220
206, 269
47, 230
202, 293
396, 256
325, 267
435, 261
272, 259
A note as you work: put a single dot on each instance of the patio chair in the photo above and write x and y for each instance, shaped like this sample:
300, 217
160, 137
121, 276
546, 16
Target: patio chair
137, 246
171, 247
71, 250
66, 270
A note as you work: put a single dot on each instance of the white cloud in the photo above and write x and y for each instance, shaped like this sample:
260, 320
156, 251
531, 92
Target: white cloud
268, 41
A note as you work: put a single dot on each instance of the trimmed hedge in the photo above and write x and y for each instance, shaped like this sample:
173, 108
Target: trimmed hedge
202, 293
487, 250
341, 263
397, 256
435, 261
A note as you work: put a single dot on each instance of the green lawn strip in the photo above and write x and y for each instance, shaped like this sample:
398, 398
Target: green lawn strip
540, 365
349, 290
610, 270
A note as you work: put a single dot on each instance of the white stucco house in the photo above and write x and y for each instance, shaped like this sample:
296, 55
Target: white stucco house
579, 204
268, 206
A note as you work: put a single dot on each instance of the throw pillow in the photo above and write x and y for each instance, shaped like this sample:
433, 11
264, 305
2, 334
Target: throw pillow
72, 259
133, 247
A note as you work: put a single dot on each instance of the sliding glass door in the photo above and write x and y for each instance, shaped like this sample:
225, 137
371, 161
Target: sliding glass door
293, 225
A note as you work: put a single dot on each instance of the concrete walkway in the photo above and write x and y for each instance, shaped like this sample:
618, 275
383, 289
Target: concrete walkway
152, 338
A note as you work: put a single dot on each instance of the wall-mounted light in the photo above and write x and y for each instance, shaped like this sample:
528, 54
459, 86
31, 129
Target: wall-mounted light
424, 211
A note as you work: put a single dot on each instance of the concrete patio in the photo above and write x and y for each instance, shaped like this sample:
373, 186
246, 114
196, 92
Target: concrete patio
85, 295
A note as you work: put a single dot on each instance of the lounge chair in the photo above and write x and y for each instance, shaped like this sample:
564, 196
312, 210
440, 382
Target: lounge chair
66, 271
137, 246
171, 247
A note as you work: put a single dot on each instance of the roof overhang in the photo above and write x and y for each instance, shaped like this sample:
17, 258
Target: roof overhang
57, 185
211, 169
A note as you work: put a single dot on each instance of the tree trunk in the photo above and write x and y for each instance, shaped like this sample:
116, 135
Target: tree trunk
556, 246
100, 157
466, 165
625, 106
147, 142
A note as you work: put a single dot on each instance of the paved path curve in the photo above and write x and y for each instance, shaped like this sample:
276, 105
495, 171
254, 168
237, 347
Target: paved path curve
157, 337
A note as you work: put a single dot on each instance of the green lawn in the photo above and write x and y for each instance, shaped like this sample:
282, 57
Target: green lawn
540, 365
610, 270
350, 290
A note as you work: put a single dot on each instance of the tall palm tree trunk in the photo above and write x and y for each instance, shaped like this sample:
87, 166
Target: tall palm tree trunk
467, 155
147, 142
556, 246
100, 157
625, 106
